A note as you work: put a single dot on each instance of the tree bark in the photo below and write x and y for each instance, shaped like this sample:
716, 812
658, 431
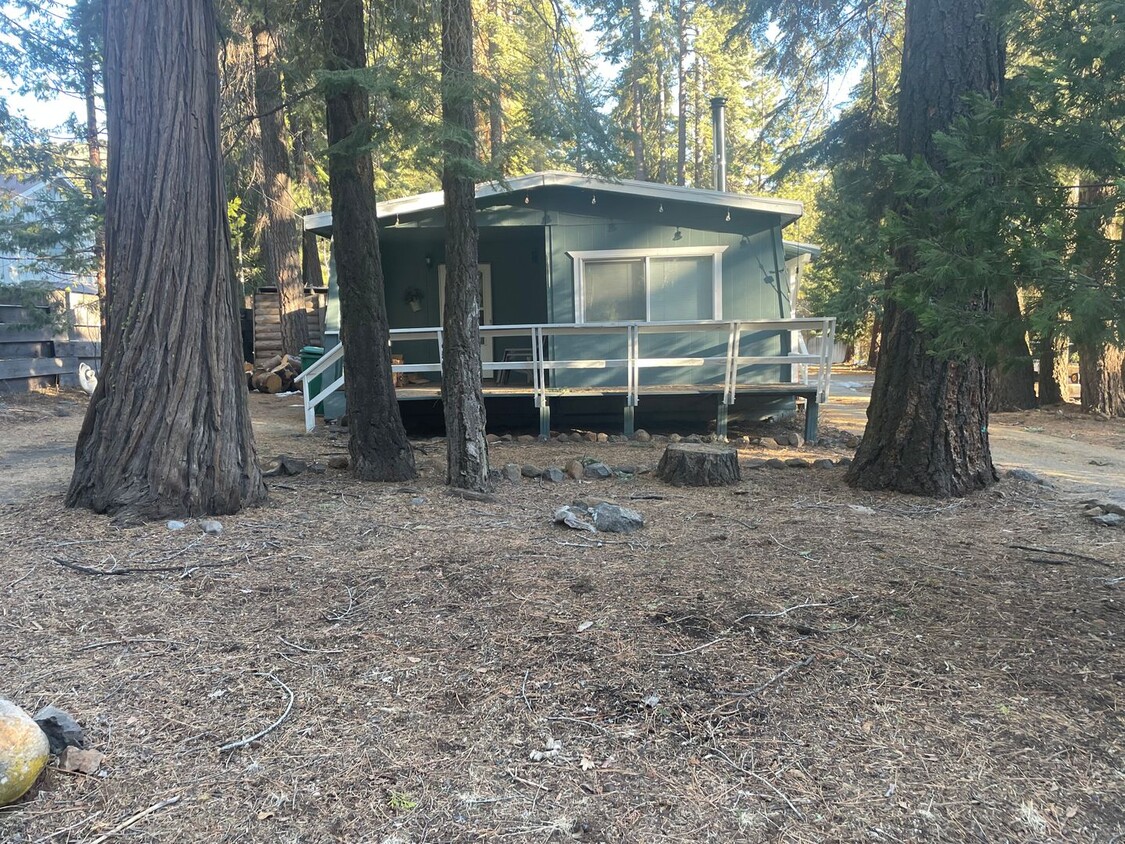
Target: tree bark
379, 448
1101, 372
496, 101
94, 153
279, 239
311, 269
640, 171
681, 93
873, 342
1054, 369
688, 464
167, 432
461, 391
1013, 377
927, 430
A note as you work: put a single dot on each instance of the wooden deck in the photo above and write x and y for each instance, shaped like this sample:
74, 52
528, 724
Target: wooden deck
742, 373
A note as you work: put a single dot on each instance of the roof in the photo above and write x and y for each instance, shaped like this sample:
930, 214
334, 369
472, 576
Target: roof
496, 193
795, 248
12, 185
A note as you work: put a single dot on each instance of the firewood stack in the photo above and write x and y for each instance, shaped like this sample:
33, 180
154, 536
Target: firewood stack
274, 375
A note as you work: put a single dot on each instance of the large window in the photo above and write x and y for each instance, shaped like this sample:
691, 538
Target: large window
655, 285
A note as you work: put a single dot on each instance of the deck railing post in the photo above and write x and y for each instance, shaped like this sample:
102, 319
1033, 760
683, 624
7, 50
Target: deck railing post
310, 411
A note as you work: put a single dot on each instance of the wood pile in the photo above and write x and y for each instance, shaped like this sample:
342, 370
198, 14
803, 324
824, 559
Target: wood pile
275, 375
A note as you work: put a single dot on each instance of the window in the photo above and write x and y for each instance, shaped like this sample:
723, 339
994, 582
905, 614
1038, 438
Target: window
656, 285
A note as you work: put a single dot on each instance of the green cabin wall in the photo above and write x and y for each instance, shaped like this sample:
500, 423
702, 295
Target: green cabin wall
533, 281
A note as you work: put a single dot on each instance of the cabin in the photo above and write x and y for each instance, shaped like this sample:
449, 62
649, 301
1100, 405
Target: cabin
605, 304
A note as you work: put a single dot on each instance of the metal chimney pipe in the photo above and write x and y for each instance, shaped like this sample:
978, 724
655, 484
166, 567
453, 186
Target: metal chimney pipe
719, 137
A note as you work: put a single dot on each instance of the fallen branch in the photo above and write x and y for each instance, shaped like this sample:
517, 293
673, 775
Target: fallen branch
132, 819
760, 779
694, 650
780, 675
152, 570
787, 610
1059, 552
234, 745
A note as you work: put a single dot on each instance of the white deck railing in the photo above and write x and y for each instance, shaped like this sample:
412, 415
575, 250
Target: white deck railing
727, 332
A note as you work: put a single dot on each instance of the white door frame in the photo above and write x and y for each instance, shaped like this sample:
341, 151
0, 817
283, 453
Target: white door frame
486, 304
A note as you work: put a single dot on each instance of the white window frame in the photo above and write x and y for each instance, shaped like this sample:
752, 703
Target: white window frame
581, 258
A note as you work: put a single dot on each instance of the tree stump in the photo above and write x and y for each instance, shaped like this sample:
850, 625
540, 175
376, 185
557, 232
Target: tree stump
691, 464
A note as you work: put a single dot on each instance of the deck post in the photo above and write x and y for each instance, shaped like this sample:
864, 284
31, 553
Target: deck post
812, 420
629, 423
721, 421
545, 419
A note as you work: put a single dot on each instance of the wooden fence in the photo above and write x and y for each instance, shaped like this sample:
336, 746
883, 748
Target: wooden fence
34, 355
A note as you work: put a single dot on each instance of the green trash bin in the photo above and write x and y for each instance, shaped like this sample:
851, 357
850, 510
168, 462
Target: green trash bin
309, 356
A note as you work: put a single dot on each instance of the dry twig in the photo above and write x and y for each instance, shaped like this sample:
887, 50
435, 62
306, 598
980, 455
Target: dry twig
234, 745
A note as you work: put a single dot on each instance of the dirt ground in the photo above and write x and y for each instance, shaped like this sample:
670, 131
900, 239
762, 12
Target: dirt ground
788, 660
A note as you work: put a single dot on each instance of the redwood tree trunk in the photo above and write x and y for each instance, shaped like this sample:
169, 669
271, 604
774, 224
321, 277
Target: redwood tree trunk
1013, 377
461, 393
873, 342
167, 432
378, 445
1101, 371
280, 239
927, 430
1054, 370
94, 153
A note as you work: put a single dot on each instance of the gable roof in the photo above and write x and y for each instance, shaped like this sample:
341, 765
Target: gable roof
13, 185
504, 193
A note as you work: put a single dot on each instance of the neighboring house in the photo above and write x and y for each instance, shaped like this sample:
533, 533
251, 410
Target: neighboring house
605, 303
32, 354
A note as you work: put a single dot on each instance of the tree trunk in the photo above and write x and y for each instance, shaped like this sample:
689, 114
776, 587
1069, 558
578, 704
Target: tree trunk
639, 169
681, 93
1101, 371
94, 152
377, 441
167, 432
311, 269
873, 343
461, 393
280, 239
927, 430
1054, 369
1013, 377
496, 101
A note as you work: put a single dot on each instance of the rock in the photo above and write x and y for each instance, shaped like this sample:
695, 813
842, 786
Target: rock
176, 524
844, 461
598, 472
339, 461
590, 437
642, 436
613, 518
755, 463
61, 729
851, 441
553, 475
1112, 507
575, 469
286, 465
767, 444
492, 439
618, 438
797, 463
625, 470
23, 752
796, 440
563, 438
781, 439
572, 518
824, 463
512, 472
75, 759
1109, 519
525, 438
212, 527
603, 438
317, 468
776, 463
417, 499
1029, 477
744, 440
506, 438
529, 471
692, 438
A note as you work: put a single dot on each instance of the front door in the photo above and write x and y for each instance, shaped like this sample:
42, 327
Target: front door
486, 303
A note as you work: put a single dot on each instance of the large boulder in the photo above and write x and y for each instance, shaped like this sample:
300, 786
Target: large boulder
23, 752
